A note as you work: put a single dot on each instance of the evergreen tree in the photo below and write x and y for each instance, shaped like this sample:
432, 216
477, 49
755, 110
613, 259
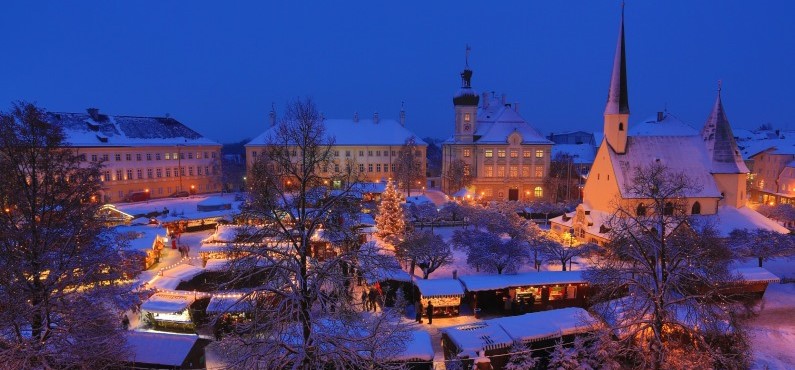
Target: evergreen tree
390, 220
521, 358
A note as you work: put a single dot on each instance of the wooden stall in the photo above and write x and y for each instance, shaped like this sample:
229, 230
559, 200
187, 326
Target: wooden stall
444, 294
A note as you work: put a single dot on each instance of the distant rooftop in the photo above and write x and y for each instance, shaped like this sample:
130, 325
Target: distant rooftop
357, 132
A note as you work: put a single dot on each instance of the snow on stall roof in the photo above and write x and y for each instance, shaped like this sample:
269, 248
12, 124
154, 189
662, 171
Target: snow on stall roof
689, 157
418, 199
159, 348
542, 325
474, 283
114, 131
756, 274
144, 235
229, 233
479, 336
439, 287
418, 347
185, 208
217, 264
215, 201
167, 303
229, 303
363, 132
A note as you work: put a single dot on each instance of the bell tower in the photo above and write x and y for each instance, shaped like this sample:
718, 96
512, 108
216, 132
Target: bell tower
465, 102
616, 116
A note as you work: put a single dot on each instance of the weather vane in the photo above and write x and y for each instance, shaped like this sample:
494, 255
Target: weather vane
466, 57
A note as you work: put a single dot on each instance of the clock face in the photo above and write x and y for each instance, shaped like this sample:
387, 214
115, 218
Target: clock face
467, 127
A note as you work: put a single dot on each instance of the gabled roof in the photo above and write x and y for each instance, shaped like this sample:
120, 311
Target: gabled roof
83, 129
496, 122
158, 348
679, 153
363, 132
670, 125
719, 139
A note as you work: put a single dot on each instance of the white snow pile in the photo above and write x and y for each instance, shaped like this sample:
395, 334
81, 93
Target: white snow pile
542, 325
159, 348
439, 287
221, 303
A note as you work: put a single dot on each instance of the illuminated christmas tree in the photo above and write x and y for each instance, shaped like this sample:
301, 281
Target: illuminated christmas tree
390, 221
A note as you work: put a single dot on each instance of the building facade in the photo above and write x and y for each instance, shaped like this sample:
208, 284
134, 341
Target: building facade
774, 175
506, 158
370, 146
152, 156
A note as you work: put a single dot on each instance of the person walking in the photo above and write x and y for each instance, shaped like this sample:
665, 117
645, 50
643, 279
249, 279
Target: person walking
429, 312
508, 305
371, 298
522, 306
418, 311
364, 299
530, 302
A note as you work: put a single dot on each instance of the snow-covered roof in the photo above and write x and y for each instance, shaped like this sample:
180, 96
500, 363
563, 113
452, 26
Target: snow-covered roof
363, 132
159, 348
439, 287
729, 218
229, 233
670, 125
418, 347
542, 325
144, 235
756, 274
180, 208
217, 264
215, 201
480, 336
114, 131
220, 303
418, 199
167, 303
582, 153
497, 121
474, 283
689, 157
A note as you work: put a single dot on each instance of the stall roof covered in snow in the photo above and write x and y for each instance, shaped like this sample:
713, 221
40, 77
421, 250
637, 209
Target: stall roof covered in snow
159, 348
418, 347
756, 274
474, 283
480, 336
542, 325
167, 303
171, 278
363, 132
144, 236
439, 287
84, 129
229, 303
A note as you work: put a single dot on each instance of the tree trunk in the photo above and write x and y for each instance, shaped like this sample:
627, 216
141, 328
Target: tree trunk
413, 265
760, 261
563, 263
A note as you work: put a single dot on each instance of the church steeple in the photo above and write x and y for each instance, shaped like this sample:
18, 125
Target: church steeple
616, 114
719, 139
466, 105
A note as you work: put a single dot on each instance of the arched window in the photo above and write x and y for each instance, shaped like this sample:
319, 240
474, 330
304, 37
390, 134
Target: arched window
621, 126
669, 209
696, 208
538, 192
641, 210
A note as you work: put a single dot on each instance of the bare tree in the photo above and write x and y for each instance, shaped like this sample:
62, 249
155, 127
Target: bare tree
409, 166
426, 250
555, 249
660, 279
59, 268
562, 180
458, 176
761, 244
492, 252
308, 320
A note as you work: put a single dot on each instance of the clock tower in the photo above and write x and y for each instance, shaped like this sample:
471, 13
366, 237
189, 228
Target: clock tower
466, 108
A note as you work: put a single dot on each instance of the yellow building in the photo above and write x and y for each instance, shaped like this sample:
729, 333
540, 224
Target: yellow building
505, 156
371, 146
152, 156
710, 158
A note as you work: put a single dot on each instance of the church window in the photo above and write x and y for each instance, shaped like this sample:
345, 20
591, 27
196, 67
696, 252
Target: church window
668, 210
538, 192
621, 126
467, 152
489, 153
641, 210
696, 210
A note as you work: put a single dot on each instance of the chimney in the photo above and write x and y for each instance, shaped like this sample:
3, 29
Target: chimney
504, 99
94, 113
355, 117
402, 117
660, 116
516, 107
375, 118
272, 116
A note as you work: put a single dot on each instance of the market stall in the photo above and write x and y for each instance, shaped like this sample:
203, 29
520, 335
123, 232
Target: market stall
417, 353
544, 329
444, 294
168, 310
467, 341
155, 350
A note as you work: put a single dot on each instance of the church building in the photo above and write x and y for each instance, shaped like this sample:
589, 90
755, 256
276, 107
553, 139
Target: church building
505, 157
710, 158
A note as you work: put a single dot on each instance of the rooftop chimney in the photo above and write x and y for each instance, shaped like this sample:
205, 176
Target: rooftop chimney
485, 99
375, 118
94, 113
355, 117
660, 116
504, 99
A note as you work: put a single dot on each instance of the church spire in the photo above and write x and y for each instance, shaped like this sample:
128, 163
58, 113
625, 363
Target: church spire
618, 95
719, 139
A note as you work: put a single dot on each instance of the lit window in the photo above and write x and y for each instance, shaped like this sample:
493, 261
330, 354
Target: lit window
538, 192
527, 153
539, 153
489, 153
539, 172
500, 171
467, 152
467, 117
489, 171
501, 153
466, 170
525, 171
514, 153
514, 171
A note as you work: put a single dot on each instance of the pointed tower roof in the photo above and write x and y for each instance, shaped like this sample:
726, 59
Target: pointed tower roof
618, 95
466, 95
719, 139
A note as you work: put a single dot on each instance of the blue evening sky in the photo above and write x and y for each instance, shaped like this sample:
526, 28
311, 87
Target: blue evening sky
218, 66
